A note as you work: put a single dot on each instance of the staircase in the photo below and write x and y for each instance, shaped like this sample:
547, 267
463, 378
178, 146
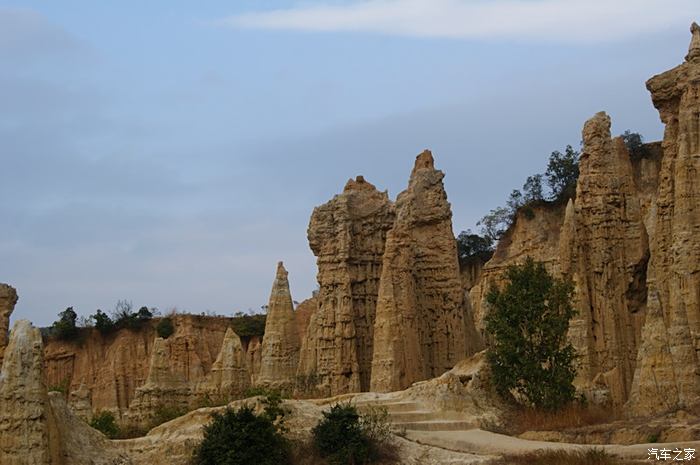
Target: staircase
415, 416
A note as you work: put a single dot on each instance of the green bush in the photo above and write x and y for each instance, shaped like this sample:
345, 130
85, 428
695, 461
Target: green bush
344, 437
240, 437
529, 321
106, 423
165, 328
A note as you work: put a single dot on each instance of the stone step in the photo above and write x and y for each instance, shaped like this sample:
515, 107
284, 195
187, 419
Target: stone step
391, 407
424, 415
436, 425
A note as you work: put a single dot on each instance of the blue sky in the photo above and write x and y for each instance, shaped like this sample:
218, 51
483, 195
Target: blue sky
170, 153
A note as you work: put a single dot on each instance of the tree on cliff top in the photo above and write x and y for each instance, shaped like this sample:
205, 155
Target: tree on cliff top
65, 327
562, 174
528, 320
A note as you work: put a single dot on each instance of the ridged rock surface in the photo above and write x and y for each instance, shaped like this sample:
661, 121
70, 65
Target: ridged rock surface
420, 329
163, 388
28, 433
230, 376
281, 344
607, 262
347, 235
8, 299
672, 371
112, 366
535, 233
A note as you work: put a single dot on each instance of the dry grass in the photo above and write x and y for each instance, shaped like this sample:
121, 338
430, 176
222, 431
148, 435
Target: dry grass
572, 416
560, 457
305, 453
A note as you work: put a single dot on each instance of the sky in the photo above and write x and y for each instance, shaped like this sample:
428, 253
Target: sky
170, 153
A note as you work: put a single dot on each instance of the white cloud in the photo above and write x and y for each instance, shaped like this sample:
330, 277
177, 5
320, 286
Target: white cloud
560, 20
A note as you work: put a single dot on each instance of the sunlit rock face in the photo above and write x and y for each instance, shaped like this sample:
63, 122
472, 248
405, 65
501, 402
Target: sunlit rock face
605, 252
420, 330
8, 299
347, 235
667, 363
28, 434
281, 344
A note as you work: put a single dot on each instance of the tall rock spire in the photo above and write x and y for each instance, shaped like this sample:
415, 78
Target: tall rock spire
673, 275
28, 433
281, 345
8, 299
609, 247
347, 235
694, 49
420, 329
230, 375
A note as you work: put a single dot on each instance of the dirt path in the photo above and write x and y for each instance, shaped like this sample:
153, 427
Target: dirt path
480, 442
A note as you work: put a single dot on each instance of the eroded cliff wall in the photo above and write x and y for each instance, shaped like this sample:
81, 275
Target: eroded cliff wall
668, 371
347, 235
111, 367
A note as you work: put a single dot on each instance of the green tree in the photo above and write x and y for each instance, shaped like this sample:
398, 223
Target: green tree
65, 327
562, 173
240, 437
144, 314
495, 223
528, 320
165, 328
339, 437
634, 143
105, 422
103, 322
532, 188
470, 245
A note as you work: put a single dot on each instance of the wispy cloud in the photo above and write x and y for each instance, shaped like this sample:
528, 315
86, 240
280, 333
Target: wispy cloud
549, 20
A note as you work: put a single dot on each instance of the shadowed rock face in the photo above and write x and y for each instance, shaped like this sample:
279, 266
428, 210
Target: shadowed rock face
667, 363
347, 235
420, 329
607, 248
281, 345
8, 299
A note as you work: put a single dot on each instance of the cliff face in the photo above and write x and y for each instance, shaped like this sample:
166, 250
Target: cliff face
420, 330
535, 233
8, 299
281, 345
667, 364
111, 367
607, 259
347, 235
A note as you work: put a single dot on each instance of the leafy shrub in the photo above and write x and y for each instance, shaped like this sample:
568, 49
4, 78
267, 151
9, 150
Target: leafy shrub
106, 423
240, 437
344, 437
165, 328
529, 321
